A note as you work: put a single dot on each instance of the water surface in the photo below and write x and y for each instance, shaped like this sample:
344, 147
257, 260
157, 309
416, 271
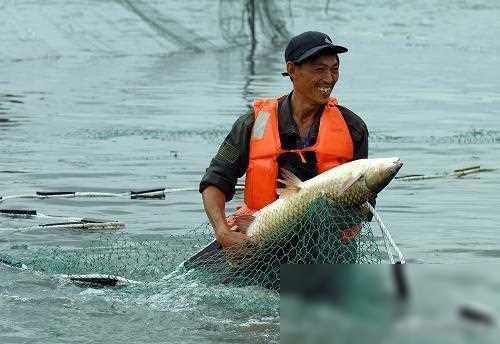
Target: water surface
118, 95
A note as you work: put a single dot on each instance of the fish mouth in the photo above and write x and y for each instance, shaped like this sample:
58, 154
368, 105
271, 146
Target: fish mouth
382, 179
396, 167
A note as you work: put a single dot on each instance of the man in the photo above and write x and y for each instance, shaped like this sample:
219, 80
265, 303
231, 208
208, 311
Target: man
305, 132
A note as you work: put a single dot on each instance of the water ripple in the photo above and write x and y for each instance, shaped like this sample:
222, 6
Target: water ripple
213, 135
473, 136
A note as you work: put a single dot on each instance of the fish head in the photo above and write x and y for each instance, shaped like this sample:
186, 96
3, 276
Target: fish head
380, 172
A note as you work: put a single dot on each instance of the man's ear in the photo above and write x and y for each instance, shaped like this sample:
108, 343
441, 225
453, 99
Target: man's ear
291, 69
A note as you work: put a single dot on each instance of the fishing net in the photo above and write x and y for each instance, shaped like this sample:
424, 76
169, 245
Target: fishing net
241, 22
326, 233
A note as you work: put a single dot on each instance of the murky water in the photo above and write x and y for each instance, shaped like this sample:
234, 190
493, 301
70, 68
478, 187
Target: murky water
116, 95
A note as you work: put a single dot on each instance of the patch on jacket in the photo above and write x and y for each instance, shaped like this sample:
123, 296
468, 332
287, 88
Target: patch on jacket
227, 153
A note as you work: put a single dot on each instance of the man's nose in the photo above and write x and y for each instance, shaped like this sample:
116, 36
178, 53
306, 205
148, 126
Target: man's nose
328, 77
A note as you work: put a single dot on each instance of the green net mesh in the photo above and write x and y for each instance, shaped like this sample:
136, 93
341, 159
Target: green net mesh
328, 233
324, 234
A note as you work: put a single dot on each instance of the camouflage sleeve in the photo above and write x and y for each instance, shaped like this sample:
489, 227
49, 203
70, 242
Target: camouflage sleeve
231, 160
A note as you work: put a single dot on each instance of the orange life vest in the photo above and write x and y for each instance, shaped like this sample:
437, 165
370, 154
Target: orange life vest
333, 147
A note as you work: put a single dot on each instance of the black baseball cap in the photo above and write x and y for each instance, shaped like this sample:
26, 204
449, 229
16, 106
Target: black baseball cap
308, 44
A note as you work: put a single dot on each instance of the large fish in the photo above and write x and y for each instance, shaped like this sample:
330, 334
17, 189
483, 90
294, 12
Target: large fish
349, 184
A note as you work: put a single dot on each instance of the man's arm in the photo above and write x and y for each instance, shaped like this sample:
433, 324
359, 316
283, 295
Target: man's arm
214, 202
218, 184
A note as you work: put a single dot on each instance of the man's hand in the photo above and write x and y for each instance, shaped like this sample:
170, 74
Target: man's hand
214, 203
229, 237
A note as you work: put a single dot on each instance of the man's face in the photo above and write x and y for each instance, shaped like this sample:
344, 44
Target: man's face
315, 80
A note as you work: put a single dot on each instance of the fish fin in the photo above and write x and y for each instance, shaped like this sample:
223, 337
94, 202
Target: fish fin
292, 184
243, 222
349, 182
290, 179
282, 192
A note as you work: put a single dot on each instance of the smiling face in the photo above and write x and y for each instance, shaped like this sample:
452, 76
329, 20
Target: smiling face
314, 79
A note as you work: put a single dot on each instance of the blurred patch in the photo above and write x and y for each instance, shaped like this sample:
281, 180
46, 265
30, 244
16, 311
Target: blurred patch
389, 304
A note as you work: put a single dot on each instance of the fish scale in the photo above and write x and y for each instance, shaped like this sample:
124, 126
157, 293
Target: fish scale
350, 184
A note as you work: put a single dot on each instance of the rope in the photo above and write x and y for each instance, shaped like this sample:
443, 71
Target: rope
156, 193
66, 222
144, 194
387, 236
458, 173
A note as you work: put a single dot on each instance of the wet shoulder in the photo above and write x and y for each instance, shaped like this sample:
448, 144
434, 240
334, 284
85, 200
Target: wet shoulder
244, 122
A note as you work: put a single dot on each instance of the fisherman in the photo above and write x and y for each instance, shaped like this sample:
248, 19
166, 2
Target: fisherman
305, 132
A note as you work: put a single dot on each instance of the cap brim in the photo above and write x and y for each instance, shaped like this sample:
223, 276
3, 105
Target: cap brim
337, 49
334, 48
